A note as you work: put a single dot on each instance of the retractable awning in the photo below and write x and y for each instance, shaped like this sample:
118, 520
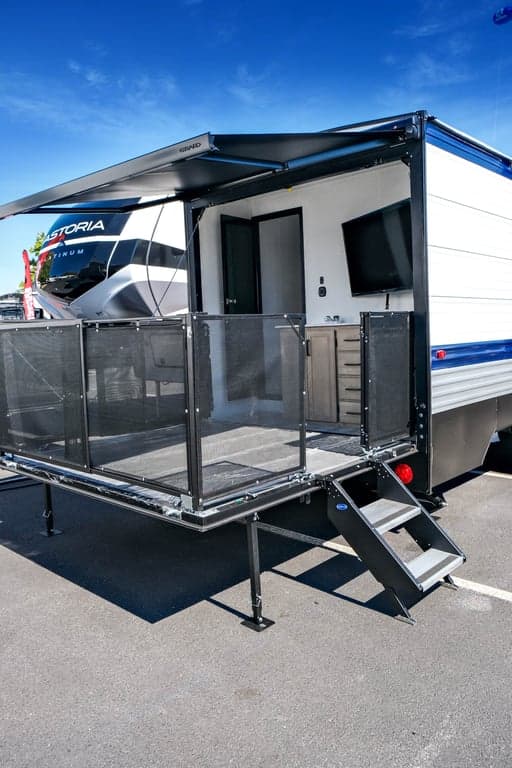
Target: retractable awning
192, 168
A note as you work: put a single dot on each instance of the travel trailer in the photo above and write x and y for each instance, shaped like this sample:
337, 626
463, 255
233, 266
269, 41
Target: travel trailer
348, 335
114, 265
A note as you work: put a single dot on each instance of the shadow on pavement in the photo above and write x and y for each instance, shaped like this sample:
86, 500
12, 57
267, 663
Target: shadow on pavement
153, 569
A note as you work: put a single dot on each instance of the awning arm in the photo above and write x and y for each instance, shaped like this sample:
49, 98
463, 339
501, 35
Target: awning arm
99, 209
333, 154
250, 161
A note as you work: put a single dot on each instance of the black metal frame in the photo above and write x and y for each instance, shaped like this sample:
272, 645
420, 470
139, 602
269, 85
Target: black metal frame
257, 622
50, 326
421, 325
192, 253
192, 497
400, 121
194, 458
196, 501
49, 529
126, 476
170, 508
213, 499
369, 384
409, 147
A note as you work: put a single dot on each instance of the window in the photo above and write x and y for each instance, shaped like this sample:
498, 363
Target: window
160, 255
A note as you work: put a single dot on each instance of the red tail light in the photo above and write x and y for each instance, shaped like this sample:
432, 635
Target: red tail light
404, 473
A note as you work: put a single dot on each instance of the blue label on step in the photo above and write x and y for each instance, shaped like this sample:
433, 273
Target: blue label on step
341, 507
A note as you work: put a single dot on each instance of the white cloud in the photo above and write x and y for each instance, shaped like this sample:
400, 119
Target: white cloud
252, 89
95, 77
244, 93
132, 110
91, 75
442, 17
413, 32
429, 70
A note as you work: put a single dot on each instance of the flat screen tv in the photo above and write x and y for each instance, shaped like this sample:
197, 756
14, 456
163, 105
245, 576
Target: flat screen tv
379, 250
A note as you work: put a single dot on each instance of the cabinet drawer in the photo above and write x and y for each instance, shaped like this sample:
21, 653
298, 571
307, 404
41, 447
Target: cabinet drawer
350, 413
349, 388
348, 338
349, 364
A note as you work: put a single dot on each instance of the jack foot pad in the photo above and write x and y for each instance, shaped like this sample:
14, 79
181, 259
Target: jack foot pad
257, 626
52, 532
406, 620
403, 613
449, 583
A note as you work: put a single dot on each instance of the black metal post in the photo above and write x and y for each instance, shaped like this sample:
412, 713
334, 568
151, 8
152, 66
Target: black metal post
257, 622
48, 513
192, 416
421, 326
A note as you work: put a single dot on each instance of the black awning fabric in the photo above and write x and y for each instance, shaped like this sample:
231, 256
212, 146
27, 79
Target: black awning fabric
198, 165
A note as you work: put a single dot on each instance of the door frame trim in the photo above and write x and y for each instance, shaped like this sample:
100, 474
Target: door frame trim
297, 211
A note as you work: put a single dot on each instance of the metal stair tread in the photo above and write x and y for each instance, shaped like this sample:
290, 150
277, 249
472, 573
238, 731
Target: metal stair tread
432, 566
385, 514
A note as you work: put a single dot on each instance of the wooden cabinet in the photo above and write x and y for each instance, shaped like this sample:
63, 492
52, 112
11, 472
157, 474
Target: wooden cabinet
334, 374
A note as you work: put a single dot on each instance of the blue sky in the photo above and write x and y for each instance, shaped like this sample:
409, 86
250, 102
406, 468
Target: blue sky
89, 84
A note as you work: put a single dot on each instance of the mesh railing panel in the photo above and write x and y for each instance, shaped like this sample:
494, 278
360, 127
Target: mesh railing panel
247, 415
41, 392
136, 401
249, 382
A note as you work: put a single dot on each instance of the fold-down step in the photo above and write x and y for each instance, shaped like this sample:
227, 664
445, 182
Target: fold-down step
385, 514
432, 566
395, 506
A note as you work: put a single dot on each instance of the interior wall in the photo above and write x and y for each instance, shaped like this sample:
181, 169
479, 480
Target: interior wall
326, 204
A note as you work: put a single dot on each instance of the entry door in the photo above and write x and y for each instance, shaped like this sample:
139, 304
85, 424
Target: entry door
386, 378
243, 338
240, 266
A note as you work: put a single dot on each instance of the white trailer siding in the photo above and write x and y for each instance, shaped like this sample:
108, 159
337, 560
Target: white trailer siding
469, 239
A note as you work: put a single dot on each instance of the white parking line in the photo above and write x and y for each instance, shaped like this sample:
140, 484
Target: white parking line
473, 586
484, 589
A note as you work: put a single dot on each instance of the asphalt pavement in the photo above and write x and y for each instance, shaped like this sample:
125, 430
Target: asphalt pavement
121, 645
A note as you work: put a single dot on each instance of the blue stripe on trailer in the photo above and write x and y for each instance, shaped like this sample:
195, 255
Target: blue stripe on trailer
457, 355
457, 145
